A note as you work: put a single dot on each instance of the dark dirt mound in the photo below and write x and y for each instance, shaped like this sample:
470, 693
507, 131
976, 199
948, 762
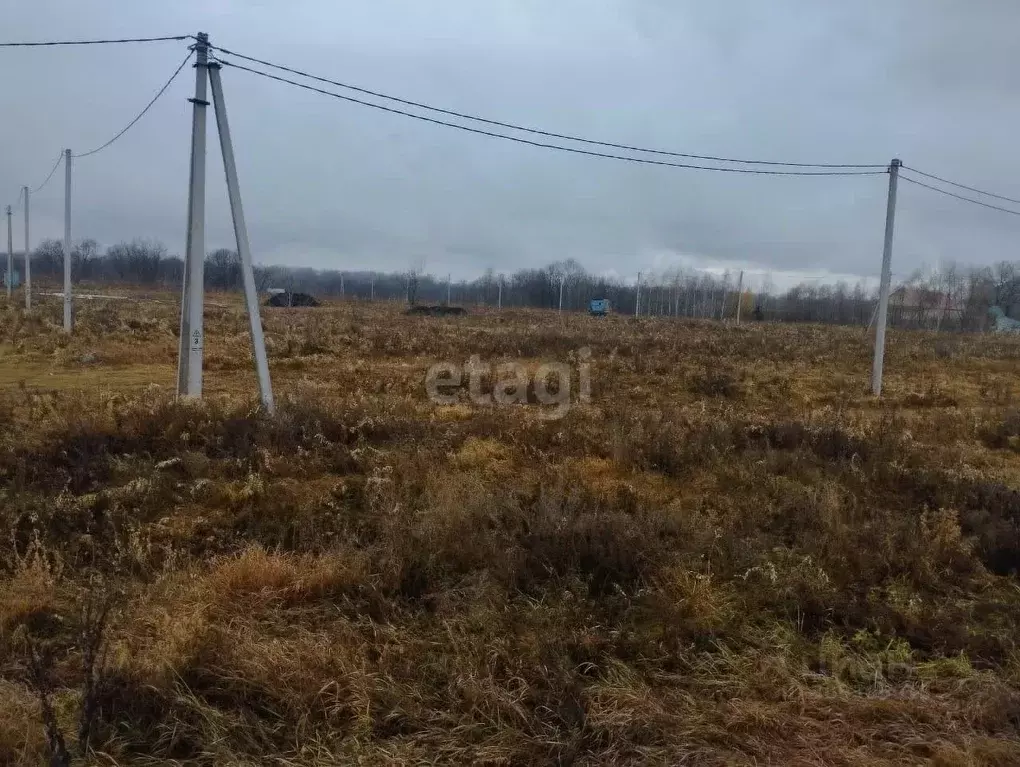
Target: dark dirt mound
292, 299
437, 311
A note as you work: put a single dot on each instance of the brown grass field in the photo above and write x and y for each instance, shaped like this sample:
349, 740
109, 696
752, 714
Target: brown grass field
732, 554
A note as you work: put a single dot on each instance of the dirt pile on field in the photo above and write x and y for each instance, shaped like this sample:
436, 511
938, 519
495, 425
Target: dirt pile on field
292, 299
437, 310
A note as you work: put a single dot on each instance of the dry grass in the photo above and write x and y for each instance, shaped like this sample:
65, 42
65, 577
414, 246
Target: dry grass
731, 555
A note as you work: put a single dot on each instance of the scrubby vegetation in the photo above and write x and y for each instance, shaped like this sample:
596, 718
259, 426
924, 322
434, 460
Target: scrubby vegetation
730, 555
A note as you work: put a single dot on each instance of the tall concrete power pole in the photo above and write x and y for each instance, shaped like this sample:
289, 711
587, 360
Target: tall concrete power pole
189, 364
883, 291
28, 256
10, 254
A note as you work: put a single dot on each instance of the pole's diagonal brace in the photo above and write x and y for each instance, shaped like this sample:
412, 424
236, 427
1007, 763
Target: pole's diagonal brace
251, 299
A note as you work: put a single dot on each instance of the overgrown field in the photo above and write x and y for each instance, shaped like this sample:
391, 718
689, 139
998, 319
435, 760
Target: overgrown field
731, 554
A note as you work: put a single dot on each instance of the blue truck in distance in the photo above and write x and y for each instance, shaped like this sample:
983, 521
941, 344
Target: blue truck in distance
599, 307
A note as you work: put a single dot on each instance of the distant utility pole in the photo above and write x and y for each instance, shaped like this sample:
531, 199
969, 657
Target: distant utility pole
562, 278
10, 255
449, 281
637, 297
500, 294
68, 316
28, 258
341, 284
372, 289
883, 291
740, 293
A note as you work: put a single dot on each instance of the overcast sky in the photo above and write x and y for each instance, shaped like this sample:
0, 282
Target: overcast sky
334, 185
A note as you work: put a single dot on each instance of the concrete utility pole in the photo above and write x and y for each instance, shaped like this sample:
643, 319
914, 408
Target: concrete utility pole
740, 293
10, 255
561, 292
449, 281
637, 297
189, 365
341, 284
883, 291
372, 289
28, 257
500, 294
68, 315
251, 297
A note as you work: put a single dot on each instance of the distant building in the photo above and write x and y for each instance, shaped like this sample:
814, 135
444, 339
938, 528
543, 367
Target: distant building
924, 307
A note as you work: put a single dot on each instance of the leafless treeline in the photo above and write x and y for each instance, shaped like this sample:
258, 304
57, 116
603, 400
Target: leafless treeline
951, 297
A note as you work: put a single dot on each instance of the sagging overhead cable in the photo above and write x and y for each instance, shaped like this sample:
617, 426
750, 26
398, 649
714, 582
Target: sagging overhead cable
141, 114
958, 185
51, 43
545, 145
538, 131
959, 196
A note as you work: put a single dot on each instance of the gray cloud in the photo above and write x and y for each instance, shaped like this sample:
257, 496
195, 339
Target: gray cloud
330, 184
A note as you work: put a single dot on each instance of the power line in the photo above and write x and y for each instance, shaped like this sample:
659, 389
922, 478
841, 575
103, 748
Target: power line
142, 113
536, 131
54, 170
49, 43
959, 196
148, 106
961, 186
572, 150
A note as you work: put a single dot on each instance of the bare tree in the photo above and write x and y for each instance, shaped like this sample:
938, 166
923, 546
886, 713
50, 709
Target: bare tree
412, 288
83, 256
1006, 281
223, 269
139, 261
